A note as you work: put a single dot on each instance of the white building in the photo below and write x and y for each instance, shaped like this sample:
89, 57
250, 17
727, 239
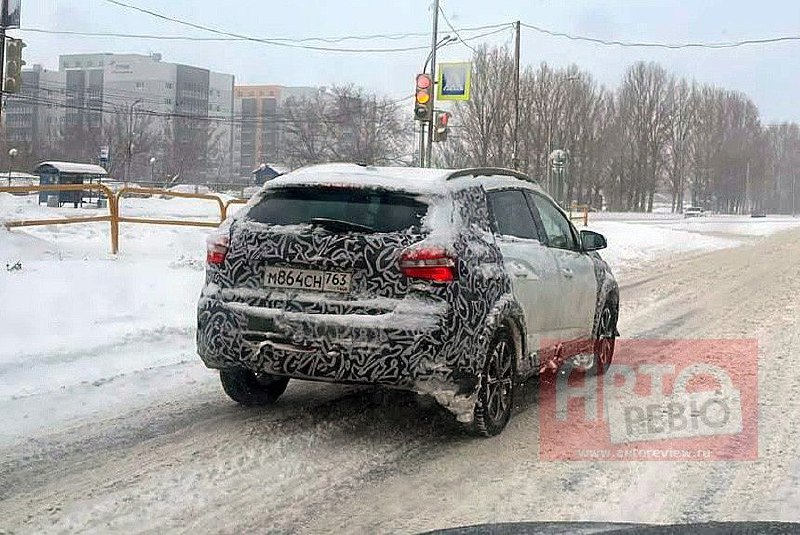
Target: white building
189, 109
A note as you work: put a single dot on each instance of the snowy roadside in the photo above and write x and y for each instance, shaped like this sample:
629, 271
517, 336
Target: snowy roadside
85, 333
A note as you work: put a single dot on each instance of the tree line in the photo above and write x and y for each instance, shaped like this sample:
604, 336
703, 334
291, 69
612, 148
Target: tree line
656, 132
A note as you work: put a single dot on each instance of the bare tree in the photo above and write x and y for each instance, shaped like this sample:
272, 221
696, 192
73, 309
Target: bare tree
485, 121
644, 113
345, 124
680, 127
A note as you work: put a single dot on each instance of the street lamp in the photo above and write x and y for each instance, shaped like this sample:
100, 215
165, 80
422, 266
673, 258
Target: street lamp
152, 168
11, 155
446, 40
130, 138
558, 159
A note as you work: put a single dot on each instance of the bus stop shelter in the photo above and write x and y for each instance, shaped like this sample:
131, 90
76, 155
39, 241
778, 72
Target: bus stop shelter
63, 173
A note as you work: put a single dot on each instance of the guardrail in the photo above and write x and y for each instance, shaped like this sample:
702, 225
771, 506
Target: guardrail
113, 216
579, 212
229, 204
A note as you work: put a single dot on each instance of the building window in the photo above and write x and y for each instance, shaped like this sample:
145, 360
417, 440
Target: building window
139, 85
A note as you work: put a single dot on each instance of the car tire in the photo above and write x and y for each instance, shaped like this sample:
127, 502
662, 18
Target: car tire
250, 389
605, 340
496, 394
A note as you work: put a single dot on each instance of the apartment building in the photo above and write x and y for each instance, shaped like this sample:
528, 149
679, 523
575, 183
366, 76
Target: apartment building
189, 108
258, 127
34, 122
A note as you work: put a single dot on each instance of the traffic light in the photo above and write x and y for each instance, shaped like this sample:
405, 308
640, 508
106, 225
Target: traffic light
441, 127
14, 64
423, 102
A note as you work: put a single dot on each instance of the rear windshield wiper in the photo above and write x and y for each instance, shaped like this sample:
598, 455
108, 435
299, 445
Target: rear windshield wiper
338, 225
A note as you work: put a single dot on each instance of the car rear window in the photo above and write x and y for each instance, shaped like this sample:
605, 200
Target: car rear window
381, 211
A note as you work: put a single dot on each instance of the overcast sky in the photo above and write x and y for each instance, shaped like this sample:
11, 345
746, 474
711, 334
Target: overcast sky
770, 74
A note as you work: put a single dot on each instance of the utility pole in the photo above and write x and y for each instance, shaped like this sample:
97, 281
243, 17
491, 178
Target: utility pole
515, 153
747, 188
2, 66
434, 43
422, 147
130, 139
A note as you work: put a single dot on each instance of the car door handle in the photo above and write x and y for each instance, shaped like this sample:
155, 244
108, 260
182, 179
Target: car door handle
521, 272
566, 272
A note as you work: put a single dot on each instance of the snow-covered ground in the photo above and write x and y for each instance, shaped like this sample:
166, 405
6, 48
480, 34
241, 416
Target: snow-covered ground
83, 331
111, 423
635, 239
75, 318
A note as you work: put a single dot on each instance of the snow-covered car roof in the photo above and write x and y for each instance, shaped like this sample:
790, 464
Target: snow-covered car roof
410, 179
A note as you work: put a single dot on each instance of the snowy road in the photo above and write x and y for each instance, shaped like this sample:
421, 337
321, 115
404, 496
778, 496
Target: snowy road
178, 455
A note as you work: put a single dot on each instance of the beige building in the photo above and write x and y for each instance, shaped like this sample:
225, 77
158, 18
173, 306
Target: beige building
259, 125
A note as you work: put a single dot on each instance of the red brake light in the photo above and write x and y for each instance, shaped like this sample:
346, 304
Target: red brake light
431, 264
216, 249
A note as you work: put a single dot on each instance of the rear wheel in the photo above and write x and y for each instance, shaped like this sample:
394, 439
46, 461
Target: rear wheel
496, 395
252, 389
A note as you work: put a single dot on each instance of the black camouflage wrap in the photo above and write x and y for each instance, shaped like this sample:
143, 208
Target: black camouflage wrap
419, 336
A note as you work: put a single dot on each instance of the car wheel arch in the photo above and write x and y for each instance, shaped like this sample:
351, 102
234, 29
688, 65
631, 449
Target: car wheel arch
507, 314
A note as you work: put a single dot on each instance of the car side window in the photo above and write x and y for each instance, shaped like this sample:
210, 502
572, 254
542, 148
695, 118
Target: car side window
512, 215
556, 226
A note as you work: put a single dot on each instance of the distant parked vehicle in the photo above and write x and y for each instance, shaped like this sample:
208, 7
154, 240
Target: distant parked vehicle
694, 211
759, 213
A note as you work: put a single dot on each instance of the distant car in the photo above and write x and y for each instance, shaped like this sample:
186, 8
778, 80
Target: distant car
694, 211
758, 213
453, 284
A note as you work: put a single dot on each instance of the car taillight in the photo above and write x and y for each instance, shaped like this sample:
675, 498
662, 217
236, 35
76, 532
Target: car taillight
431, 264
216, 249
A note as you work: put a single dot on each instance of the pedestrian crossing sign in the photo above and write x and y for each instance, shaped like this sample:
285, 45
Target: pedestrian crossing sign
455, 81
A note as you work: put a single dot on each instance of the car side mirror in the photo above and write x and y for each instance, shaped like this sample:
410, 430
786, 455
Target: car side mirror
592, 241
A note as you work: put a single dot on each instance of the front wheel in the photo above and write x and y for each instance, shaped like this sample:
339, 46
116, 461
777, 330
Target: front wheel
496, 395
605, 340
252, 389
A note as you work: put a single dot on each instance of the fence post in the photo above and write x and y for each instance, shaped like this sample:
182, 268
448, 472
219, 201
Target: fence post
114, 208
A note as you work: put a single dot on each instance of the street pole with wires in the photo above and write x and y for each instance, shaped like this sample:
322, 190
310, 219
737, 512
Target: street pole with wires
2, 65
434, 44
515, 151
130, 139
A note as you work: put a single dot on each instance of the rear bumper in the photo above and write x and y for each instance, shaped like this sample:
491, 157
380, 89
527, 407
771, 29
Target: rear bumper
407, 347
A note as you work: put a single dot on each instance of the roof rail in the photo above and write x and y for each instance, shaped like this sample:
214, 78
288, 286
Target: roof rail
489, 171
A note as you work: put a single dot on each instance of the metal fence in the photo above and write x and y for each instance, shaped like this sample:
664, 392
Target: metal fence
114, 199
579, 212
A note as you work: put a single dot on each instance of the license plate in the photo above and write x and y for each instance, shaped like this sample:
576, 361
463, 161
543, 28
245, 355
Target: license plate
307, 279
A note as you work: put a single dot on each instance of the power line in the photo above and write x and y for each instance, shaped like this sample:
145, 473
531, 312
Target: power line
453, 29
539, 29
232, 119
330, 40
273, 42
671, 46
